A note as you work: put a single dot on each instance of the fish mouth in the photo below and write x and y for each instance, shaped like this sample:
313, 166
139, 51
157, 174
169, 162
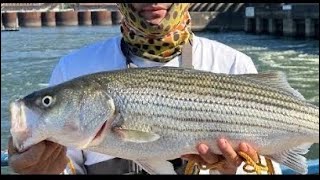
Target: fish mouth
22, 128
19, 128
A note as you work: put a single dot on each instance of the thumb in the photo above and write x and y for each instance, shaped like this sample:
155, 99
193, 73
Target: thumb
11, 149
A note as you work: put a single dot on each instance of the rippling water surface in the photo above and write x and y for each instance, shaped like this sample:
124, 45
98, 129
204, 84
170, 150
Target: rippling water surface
28, 56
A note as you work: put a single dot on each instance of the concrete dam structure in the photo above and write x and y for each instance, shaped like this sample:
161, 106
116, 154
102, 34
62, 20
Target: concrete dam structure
15, 15
204, 15
217, 16
292, 19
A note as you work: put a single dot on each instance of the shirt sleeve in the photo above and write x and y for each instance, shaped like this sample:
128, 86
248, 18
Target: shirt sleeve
76, 162
57, 75
250, 67
243, 64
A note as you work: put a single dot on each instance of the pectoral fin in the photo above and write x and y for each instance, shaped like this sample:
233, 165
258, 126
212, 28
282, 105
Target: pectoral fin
156, 166
136, 136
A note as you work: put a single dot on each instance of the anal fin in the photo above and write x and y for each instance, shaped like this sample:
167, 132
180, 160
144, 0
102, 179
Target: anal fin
293, 158
156, 166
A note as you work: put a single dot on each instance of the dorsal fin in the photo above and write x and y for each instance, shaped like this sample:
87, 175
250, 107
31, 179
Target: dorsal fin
276, 79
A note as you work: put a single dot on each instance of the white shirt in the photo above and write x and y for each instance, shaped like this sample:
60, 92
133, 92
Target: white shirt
106, 55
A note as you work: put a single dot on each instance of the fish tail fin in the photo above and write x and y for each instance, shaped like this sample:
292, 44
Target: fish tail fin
293, 158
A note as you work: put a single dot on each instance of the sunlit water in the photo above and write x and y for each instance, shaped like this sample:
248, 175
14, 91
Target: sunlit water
28, 57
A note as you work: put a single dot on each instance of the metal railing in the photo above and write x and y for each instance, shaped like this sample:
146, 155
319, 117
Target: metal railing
27, 6
220, 7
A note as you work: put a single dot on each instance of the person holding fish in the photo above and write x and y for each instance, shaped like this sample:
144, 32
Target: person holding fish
152, 34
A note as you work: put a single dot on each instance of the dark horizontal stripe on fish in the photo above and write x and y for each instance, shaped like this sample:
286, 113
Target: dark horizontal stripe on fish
253, 116
172, 86
175, 78
230, 130
167, 93
196, 109
236, 80
251, 123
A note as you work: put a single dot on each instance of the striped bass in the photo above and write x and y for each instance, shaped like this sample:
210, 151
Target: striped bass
151, 115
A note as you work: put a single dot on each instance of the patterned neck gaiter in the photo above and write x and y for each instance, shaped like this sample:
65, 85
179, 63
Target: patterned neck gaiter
159, 43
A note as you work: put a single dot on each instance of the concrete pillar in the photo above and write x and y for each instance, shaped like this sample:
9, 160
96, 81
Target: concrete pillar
101, 17
246, 25
249, 25
271, 26
300, 28
116, 17
2, 27
10, 20
278, 26
30, 19
67, 18
259, 27
289, 27
310, 27
316, 27
265, 25
48, 18
84, 18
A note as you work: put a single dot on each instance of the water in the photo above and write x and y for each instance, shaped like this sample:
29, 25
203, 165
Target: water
28, 57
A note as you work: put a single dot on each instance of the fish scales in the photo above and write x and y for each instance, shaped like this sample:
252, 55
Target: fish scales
213, 85
142, 84
145, 85
214, 99
170, 101
163, 113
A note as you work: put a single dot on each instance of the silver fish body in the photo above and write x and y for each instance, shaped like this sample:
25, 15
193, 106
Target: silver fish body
155, 114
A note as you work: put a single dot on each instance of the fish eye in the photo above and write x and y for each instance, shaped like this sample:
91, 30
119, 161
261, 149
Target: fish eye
46, 101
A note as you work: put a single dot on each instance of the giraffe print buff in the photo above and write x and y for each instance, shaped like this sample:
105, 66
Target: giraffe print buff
161, 42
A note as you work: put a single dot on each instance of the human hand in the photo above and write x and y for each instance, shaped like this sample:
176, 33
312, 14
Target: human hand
233, 160
43, 158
